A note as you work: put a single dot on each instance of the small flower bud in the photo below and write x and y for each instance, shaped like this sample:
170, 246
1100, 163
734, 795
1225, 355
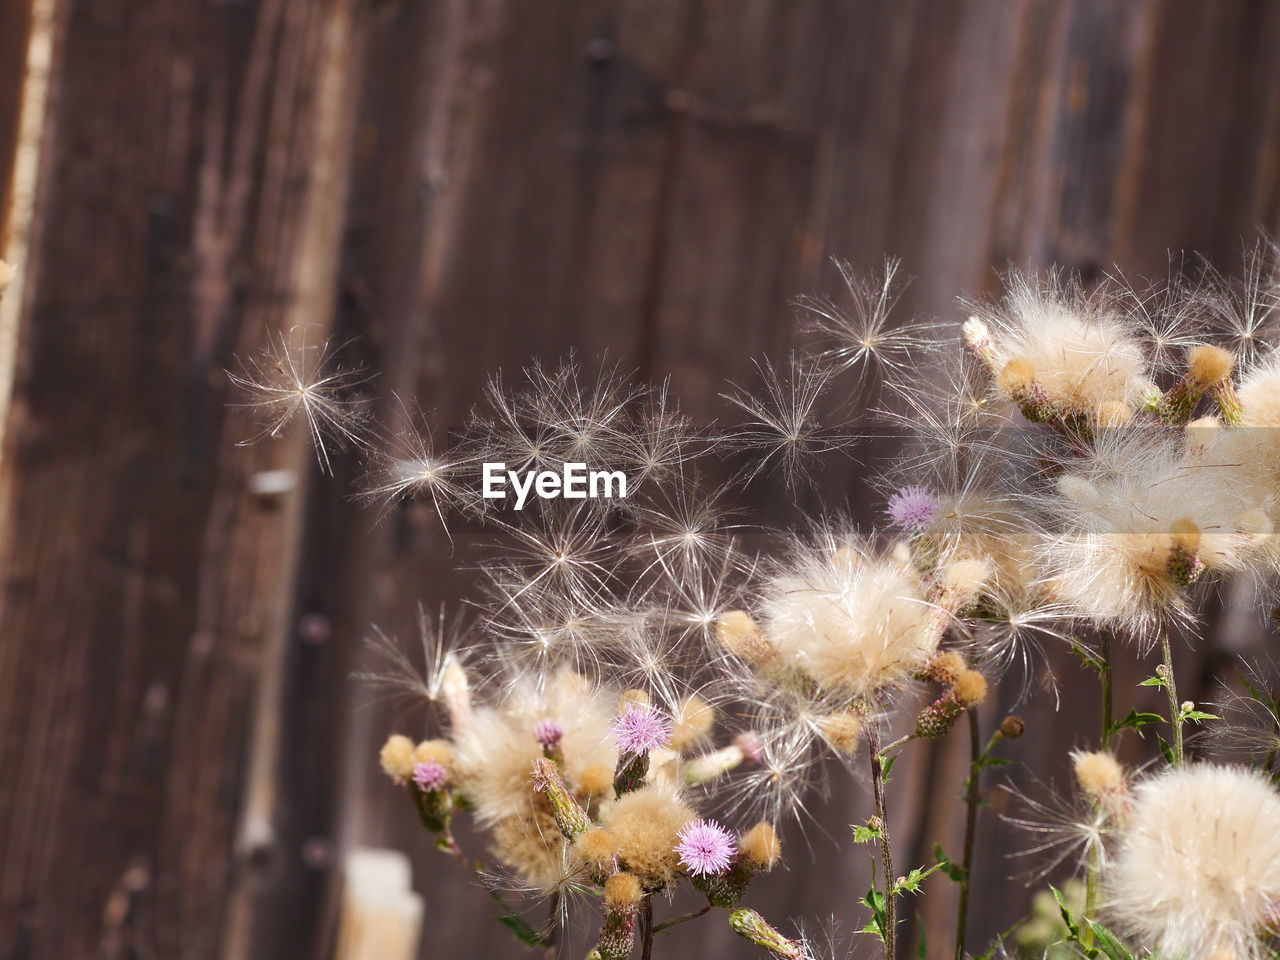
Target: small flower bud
548, 733
1188, 706
752, 927
740, 635
568, 813
1099, 774
622, 895
970, 688
1012, 727
396, 758
760, 846
944, 668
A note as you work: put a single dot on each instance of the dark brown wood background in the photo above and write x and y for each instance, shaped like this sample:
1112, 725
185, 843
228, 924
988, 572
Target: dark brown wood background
465, 185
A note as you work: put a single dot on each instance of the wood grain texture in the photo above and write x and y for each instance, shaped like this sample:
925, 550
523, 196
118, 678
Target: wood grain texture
470, 185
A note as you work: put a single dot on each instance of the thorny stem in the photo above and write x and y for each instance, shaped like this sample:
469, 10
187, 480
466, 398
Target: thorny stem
646, 929
1108, 700
1108, 721
897, 743
662, 927
549, 950
886, 849
971, 797
1171, 689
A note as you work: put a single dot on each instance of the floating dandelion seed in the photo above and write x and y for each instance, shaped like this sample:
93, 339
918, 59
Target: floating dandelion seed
861, 338
293, 379
783, 423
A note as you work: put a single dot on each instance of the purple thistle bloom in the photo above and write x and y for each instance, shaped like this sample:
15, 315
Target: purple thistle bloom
640, 729
912, 508
430, 775
706, 847
548, 733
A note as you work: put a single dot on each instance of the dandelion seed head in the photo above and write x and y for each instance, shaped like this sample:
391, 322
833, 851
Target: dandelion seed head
705, 848
1196, 868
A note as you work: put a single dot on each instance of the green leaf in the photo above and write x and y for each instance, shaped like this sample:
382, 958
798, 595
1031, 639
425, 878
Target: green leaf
1066, 913
1136, 720
947, 865
1154, 682
1108, 942
866, 834
1086, 657
1166, 750
886, 764
1196, 716
521, 930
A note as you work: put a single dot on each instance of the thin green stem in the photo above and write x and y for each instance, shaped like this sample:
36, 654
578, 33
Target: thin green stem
1108, 698
971, 797
886, 848
666, 925
1171, 689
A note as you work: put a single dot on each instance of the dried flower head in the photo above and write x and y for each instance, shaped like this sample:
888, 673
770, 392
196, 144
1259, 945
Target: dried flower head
1196, 871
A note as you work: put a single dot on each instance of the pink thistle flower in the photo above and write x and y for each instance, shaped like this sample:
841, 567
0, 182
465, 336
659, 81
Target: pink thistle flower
640, 729
430, 775
548, 733
706, 847
912, 508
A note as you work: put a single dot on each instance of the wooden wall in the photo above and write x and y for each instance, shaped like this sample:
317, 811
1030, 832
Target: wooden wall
465, 185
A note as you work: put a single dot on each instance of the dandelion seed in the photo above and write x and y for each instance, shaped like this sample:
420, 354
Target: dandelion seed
783, 423
293, 379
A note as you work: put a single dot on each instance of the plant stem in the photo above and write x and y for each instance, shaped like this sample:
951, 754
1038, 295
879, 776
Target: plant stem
1171, 689
886, 849
678, 920
1108, 720
971, 797
549, 949
646, 929
1108, 699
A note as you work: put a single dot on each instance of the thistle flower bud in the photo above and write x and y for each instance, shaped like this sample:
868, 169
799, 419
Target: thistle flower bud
568, 813
693, 723
455, 690
622, 895
1012, 727
597, 848
1017, 380
970, 688
396, 757
760, 846
709, 766
1099, 774
435, 751
944, 668
752, 927
842, 731
740, 635
978, 338
548, 733
639, 729
1183, 565
430, 776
